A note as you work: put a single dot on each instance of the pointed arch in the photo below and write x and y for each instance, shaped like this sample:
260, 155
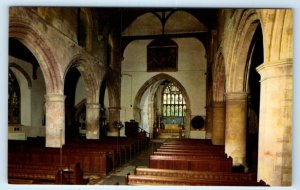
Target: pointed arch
278, 29
87, 70
237, 46
158, 79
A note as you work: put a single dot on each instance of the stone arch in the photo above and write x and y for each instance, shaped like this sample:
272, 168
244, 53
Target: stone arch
155, 79
86, 69
238, 45
23, 30
278, 29
219, 81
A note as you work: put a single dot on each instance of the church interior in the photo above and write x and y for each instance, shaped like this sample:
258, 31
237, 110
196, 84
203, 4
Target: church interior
150, 96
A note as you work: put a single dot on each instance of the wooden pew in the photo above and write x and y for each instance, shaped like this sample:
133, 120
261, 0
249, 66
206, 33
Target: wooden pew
162, 180
178, 153
44, 176
196, 174
194, 163
23, 181
190, 151
65, 174
91, 161
99, 156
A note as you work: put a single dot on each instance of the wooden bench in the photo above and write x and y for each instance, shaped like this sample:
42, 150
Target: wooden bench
23, 181
49, 176
162, 180
91, 160
41, 173
196, 174
190, 151
194, 163
99, 156
202, 153
198, 147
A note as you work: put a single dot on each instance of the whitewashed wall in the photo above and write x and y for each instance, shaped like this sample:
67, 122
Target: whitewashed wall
191, 74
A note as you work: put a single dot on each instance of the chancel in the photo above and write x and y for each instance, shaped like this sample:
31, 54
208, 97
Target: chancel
150, 96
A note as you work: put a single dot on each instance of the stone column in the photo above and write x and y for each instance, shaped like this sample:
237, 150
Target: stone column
187, 123
218, 122
92, 120
55, 120
275, 123
114, 115
236, 125
208, 123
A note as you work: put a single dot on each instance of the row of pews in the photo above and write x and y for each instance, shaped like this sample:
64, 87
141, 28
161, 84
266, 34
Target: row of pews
190, 162
31, 162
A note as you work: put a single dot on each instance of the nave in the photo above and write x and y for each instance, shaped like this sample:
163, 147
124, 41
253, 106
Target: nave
83, 72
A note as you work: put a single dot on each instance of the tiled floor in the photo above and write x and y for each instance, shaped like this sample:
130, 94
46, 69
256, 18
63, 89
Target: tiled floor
118, 177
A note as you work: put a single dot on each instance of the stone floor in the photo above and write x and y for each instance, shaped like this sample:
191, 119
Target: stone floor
118, 177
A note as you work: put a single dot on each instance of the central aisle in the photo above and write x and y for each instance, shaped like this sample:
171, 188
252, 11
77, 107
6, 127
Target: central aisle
118, 177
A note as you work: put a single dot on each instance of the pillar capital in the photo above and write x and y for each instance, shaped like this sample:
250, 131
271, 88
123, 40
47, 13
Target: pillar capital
218, 104
92, 106
236, 96
275, 69
55, 97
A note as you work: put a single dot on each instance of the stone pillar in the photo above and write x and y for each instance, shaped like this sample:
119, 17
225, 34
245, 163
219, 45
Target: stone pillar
114, 115
55, 120
275, 123
92, 120
208, 123
236, 125
187, 123
218, 122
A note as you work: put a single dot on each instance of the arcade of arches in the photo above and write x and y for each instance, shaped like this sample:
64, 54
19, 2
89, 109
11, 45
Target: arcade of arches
75, 72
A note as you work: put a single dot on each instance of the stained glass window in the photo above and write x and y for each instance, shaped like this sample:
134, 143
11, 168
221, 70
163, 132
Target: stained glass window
13, 99
173, 101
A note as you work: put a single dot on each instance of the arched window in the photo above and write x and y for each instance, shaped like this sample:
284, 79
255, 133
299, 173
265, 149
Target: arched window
13, 99
173, 105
